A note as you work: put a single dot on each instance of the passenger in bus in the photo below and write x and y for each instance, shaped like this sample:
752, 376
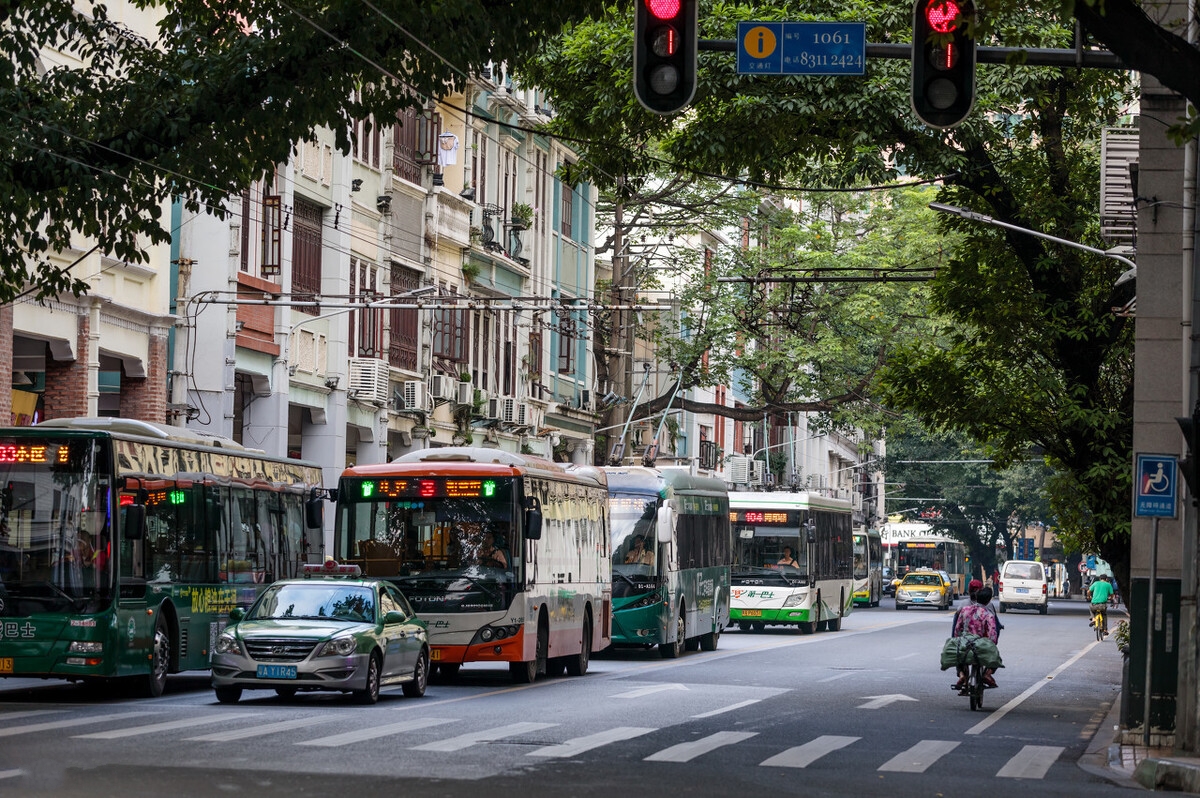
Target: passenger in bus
639, 554
787, 558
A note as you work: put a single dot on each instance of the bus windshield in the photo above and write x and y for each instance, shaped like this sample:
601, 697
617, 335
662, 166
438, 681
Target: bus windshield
453, 550
55, 526
774, 554
633, 521
860, 557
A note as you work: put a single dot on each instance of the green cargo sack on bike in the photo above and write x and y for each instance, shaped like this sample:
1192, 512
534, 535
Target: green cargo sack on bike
967, 649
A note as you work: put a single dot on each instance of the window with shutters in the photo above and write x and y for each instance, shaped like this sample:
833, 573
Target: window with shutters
414, 141
566, 341
366, 325
451, 328
306, 252
403, 327
567, 210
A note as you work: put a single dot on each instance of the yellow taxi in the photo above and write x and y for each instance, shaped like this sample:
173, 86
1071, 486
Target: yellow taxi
925, 588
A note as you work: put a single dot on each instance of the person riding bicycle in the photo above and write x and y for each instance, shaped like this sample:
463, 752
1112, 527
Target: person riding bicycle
978, 620
1100, 592
973, 587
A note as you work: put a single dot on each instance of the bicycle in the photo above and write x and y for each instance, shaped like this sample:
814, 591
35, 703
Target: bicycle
1100, 622
975, 686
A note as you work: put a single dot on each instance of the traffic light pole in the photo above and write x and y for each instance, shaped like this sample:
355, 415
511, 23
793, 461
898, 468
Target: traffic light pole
1023, 56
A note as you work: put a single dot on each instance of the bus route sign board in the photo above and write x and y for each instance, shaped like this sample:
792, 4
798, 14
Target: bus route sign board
1155, 485
802, 48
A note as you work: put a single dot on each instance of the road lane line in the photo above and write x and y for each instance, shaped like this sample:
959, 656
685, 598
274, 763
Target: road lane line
29, 728
374, 732
837, 676
804, 755
1031, 762
5, 717
906, 656
486, 736
587, 743
987, 722
11, 774
686, 752
729, 708
258, 731
134, 731
918, 758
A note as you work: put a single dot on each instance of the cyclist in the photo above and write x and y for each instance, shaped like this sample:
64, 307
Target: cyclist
976, 619
1099, 593
973, 587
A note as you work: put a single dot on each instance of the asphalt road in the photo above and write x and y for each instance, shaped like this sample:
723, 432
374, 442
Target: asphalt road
864, 711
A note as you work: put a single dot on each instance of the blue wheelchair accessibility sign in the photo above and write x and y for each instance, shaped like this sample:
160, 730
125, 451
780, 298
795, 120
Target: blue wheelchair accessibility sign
1155, 485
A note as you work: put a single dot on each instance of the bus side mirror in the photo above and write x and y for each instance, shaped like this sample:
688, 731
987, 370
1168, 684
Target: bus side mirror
533, 519
134, 525
665, 529
314, 513
810, 530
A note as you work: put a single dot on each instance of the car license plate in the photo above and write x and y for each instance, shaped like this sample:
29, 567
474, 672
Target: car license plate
277, 671
1022, 590
435, 654
751, 613
918, 599
6, 664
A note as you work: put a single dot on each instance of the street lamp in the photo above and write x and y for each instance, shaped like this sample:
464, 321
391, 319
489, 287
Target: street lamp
954, 210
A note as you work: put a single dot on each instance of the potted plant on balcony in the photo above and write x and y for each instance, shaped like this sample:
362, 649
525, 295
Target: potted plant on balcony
522, 215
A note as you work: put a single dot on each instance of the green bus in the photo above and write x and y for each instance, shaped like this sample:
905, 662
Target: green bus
671, 555
125, 544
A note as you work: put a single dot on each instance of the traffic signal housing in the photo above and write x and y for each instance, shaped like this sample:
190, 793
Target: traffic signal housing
1190, 427
664, 54
943, 62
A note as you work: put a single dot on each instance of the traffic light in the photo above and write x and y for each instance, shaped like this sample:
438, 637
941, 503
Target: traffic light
943, 62
1187, 466
664, 54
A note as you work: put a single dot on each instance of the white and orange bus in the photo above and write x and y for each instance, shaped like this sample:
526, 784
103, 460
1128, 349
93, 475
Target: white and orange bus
505, 557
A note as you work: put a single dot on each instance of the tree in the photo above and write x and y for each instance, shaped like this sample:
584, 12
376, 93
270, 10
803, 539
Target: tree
1026, 350
96, 144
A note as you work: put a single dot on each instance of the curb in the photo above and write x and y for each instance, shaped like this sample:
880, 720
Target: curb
1117, 763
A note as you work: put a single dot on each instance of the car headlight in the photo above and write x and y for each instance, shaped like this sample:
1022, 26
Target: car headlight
901, 593
228, 644
339, 647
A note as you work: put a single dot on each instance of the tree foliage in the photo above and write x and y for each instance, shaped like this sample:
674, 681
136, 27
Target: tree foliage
102, 126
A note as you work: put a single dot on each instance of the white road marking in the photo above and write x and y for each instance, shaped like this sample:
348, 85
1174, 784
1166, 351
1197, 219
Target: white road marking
686, 752
987, 722
881, 701
134, 731
649, 689
374, 732
918, 758
587, 743
258, 731
1031, 763
729, 708
837, 676
486, 736
29, 728
906, 656
804, 755
5, 717
10, 774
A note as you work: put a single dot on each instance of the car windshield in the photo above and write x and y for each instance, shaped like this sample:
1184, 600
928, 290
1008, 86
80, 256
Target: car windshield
1016, 570
315, 601
923, 580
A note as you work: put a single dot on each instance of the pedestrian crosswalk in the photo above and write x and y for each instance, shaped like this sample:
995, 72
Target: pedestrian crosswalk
1030, 762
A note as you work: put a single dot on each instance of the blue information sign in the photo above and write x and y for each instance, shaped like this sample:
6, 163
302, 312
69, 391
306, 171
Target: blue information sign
802, 48
1155, 486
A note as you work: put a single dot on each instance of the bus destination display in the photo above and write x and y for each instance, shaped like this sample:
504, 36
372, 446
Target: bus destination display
34, 453
425, 488
764, 517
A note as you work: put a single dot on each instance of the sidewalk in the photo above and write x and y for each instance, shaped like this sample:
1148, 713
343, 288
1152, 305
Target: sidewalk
1136, 765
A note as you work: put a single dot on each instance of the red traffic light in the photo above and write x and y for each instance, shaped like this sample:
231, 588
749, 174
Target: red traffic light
943, 15
663, 9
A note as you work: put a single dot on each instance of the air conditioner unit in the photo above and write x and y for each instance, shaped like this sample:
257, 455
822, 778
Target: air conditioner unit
758, 470
414, 395
464, 393
524, 415
441, 387
508, 410
369, 380
739, 469
492, 407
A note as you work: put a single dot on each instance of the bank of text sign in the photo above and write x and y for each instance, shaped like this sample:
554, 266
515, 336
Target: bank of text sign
802, 48
1155, 485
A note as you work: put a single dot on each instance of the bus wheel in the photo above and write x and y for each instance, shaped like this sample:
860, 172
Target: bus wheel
527, 672
813, 623
743, 626
708, 642
155, 681
759, 626
835, 624
578, 665
675, 650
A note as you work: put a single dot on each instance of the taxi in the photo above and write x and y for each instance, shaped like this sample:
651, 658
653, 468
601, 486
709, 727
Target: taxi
332, 630
925, 588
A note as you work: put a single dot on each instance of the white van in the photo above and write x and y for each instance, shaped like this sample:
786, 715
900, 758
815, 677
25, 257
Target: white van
1022, 586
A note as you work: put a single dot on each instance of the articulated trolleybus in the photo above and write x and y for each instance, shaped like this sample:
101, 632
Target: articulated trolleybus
671, 550
124, 545
504, 556
792, 560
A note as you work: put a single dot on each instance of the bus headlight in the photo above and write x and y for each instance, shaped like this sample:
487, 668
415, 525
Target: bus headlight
228, 644
795, 600
85, 647
339, 647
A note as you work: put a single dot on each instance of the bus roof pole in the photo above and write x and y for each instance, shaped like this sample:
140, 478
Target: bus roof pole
651, 453
618, 449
